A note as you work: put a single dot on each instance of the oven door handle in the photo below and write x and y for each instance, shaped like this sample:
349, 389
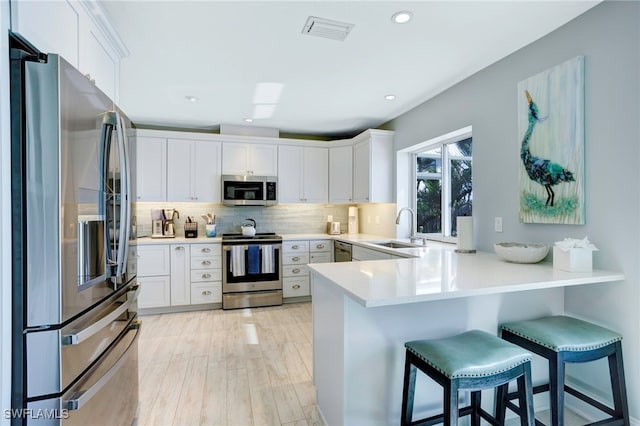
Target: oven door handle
80, 398
78, 337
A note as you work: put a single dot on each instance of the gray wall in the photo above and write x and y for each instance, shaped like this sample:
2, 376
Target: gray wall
608, 36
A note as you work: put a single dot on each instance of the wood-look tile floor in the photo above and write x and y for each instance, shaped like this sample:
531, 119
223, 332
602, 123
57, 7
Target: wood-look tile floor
239, 367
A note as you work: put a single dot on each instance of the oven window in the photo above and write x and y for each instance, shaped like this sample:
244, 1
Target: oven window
243, 190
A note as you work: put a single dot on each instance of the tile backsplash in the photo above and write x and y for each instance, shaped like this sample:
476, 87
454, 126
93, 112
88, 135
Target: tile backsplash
281, 219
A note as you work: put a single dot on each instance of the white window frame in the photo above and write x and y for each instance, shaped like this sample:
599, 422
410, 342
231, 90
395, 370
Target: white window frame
439, 142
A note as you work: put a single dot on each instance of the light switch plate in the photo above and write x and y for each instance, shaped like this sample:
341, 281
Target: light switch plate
497, 224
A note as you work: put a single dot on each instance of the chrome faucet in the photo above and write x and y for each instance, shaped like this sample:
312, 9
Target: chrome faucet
413, 237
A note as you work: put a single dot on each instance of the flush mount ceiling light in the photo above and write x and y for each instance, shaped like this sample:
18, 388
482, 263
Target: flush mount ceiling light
191, 98
390, 97
267, 93
401, 17
248, 120
326, 28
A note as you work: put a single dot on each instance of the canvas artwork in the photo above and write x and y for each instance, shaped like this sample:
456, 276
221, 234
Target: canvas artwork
551, 125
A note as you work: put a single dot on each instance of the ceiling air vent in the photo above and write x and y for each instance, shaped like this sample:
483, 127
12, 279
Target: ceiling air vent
326, 28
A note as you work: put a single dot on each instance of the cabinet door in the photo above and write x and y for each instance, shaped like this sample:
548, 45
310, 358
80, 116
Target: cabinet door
180, 275
235, 158
96, 59
180, 172
290, 174
361, 171
153, 260
315, 170
341, 174
151, 174
154, 292
264, 160
206, 163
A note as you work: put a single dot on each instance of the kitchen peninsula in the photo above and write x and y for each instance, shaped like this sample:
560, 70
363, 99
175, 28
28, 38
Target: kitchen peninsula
363, 312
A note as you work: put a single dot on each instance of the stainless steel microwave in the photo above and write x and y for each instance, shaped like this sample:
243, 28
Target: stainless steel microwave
249, 190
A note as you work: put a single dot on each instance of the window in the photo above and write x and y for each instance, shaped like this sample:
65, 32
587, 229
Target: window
443, 186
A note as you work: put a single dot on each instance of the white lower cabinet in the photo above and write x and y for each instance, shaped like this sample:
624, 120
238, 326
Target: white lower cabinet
154, 270
296, 256
179, 274
206, 273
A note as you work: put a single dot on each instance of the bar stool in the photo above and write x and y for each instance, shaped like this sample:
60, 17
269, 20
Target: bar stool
562, 339
471, 361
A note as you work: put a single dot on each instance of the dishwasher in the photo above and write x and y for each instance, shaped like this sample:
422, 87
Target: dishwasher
341, 251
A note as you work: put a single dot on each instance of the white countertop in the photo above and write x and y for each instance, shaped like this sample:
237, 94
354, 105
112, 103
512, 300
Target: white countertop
440, 273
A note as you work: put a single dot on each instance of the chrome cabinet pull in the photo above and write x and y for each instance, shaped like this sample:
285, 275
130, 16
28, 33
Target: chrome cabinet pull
320, 246
206, 293
206, 250
295, 259
206, 275
296, 247
295, 271
206, 262
296, 286
180, 248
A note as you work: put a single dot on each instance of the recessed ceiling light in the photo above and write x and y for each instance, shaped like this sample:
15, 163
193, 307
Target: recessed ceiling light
401, 17
191, 98
248, 120
390, 97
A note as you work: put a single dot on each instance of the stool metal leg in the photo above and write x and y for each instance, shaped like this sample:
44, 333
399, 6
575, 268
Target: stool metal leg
556, 389
475, 408
451, 403
618, 385
408, 391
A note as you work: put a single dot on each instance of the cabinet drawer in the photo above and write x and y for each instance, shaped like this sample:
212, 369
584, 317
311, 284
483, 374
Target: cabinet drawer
153, 260
295, 258
362, 253
202, 275
295, 270
210, 262
294, 287
295, 246
320, 246
204, 250
206, 293
320, 258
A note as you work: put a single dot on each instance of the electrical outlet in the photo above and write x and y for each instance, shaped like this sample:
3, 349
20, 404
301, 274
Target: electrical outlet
497, 224
368, 219
377, 220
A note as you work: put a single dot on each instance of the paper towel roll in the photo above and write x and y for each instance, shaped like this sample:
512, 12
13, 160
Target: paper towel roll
465, 233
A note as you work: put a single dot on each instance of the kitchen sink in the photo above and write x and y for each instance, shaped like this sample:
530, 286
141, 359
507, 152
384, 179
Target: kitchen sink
395, 244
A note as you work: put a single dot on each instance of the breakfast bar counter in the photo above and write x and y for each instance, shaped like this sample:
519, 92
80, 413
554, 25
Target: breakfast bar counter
363, 312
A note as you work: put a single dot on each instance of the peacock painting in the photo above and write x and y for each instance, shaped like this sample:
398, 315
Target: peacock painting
552, 145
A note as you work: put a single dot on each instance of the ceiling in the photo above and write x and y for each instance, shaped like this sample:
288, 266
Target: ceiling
219, 51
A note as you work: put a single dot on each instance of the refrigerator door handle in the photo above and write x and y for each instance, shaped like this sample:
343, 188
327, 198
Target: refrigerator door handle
125, 216
81, 398
80, 336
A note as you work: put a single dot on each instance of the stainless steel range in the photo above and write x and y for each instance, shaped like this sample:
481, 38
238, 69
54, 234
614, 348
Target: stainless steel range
251, 270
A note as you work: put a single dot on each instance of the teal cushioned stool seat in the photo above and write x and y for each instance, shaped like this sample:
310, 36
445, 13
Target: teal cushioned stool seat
561, 339
471, 361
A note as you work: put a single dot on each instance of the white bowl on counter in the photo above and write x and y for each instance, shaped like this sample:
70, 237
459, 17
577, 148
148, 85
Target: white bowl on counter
521, 252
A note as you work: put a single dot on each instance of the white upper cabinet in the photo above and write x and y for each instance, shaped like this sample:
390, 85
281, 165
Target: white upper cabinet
341, 174
151, 165
193, 170
373, 167
78, 32
249, 159
302, 174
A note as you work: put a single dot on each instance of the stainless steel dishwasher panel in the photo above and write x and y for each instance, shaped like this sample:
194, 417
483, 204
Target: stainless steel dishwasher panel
341, 251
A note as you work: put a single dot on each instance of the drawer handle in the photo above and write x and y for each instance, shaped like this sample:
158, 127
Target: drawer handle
206, 275
295, 259
296, 286
320, 246
295, 271
296, 247
206, 262
206, 250
206, 293
180, 248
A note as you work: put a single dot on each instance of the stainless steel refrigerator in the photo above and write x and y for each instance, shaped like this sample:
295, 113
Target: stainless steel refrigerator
75, 331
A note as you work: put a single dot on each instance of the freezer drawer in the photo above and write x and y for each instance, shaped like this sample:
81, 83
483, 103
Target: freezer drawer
113, 379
